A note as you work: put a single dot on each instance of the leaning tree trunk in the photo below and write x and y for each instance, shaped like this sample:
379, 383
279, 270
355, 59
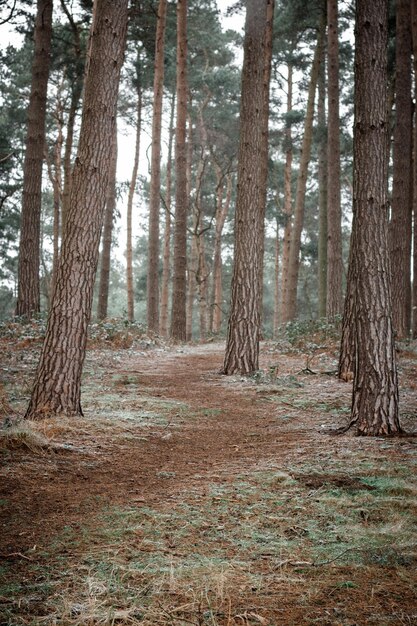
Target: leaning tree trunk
244, 329
334, 214
155, 186
57, 388
401, 220
28, 295
178, 315
104, 282
294, 257
375, 386
414, 33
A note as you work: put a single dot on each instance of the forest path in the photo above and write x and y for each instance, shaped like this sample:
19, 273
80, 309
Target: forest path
217, 427
186, 496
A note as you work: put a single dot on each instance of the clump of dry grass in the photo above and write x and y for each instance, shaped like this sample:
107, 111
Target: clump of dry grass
18, 433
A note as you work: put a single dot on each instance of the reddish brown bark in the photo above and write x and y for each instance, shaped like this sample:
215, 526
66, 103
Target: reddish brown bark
375, 386
28, 296
178, 317
244, 329
155, 186
57, 388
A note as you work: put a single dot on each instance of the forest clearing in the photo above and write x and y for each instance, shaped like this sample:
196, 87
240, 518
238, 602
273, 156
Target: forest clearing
187, 497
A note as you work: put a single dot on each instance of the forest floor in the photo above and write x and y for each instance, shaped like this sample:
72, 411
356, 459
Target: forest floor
187, 497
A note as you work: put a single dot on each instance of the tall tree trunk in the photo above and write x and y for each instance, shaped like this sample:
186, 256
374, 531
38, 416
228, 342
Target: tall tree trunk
178, 317
166, 260
322, 175
401, 220
244, 329
28, 297
375, 386
334, 214
131, 195
222, 208
155, 187
294, 259
191, 261
287, 198
103, 289
57, 388
414, 34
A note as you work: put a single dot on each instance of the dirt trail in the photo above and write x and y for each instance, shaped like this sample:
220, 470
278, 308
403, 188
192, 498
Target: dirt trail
233, 431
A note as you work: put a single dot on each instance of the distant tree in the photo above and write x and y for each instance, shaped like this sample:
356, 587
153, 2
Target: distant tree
401, 220
57, 388
244, 328
28, 299
334, 215
155, 188
294, 256
178, 315
104, 279
322, 180
375, 386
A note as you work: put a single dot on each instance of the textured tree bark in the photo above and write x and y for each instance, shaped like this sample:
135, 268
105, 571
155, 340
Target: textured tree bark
155, 185
322, 175
286, 244
178, 316
57, 388
28, 295
334, 214
244, 328
375, 386
103, 288
414, 35
131, 194
401, 218
166, 260
294, 257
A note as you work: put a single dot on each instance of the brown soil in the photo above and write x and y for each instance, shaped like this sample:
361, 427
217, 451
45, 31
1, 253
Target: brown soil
235, 431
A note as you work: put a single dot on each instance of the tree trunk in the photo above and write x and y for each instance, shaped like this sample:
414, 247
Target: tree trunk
166, 261
294, 258
178, 317
103, 289
346, 367
276, 286
155, 186
244, 329
334, 214
28, 297
57, 388
401, 219
375, 386
287, 199
414, 33
131, 194
322, 176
